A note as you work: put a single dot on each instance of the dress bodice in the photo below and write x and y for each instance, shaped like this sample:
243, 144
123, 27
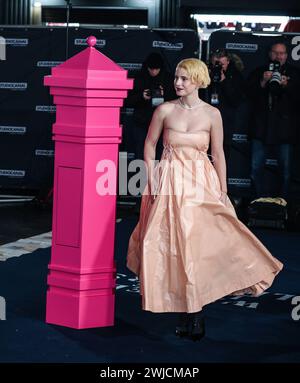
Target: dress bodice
198, 140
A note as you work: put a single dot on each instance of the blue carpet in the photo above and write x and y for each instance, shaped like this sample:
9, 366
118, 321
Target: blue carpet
239, 329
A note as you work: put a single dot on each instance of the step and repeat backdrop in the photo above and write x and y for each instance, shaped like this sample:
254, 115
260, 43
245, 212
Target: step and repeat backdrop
27, 112
26, 109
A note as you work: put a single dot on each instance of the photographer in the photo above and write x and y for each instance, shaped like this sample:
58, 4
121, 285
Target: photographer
226, 91
273, 89
152, 86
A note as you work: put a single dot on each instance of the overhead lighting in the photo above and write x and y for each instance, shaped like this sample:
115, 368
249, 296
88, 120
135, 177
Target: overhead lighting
37, 4
243, 18
266, 34
279, 22
271, 29
52, 24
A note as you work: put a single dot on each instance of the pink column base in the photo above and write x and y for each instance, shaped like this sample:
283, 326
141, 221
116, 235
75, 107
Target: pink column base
80, 310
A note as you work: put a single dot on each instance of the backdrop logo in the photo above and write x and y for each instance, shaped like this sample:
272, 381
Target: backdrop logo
48, 64
13, 129
239, 137
167, 45
296, 50
2, 308
17, 42
13, 85
127, 111
45, 108
12, 173
130, 66
100, 43
240, 182
242, 47
271, 162
2, 49
47, 153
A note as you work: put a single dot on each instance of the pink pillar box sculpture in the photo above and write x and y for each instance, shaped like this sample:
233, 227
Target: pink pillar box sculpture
88, 91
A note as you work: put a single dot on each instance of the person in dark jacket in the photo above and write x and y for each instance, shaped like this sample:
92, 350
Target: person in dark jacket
152, 86
226, 91
273, 90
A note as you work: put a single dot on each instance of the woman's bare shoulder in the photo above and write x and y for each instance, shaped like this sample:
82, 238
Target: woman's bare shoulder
211, 110
166, 107
170, 104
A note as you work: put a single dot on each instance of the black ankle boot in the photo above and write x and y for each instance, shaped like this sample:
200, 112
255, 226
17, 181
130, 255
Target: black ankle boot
182, 329
197, 326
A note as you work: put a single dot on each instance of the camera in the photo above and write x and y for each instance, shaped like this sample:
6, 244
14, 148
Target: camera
274, 83
156, 96
154, 92
216, 72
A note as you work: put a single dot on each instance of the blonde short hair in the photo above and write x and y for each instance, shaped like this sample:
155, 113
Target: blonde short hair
197, 70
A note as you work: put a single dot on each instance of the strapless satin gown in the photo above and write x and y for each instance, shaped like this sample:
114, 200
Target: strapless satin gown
189, 249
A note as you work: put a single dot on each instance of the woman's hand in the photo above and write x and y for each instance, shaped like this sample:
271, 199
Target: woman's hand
153, 182
151, 191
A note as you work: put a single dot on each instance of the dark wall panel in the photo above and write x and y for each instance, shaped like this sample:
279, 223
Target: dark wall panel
26, 109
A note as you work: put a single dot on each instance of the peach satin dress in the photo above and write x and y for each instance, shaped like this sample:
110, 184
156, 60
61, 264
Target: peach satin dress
189, 249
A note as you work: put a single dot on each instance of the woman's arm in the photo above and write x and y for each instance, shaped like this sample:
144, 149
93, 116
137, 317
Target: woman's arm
154, 132
217, 151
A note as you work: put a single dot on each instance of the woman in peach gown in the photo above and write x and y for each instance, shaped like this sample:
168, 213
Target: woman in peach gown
189, 248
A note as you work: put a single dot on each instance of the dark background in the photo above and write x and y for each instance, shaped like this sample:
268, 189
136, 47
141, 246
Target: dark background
33, 151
